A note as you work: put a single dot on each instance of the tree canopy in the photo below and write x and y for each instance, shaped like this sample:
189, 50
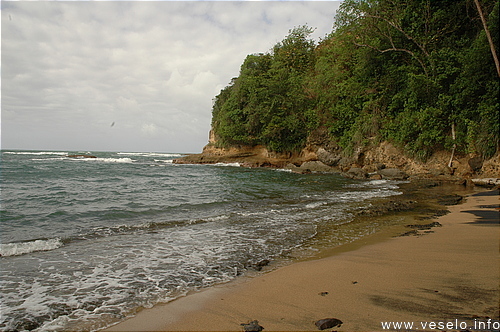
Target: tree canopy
420, 74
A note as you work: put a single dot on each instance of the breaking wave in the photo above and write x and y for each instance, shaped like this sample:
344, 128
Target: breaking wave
20, 248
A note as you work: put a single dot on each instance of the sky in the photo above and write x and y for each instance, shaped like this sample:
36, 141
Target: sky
131, 75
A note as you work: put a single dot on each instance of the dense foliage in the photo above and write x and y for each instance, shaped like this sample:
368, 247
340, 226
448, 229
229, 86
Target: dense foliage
418, 73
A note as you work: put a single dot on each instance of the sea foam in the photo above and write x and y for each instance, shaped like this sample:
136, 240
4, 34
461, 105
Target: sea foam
20, 248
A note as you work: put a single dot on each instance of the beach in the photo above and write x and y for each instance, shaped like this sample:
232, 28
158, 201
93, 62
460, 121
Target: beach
448, 274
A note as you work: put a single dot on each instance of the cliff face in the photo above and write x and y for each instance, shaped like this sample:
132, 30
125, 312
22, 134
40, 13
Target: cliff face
321, 154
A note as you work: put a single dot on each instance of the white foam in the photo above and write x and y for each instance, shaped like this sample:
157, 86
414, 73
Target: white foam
315, 205
107, 160
37, 153
286, 170
45, 159
228, 164
20, 248
150, 154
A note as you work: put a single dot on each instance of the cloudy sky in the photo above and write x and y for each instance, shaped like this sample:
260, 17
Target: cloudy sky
131, 75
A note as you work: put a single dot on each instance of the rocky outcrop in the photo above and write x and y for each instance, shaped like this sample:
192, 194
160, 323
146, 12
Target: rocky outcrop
376, 161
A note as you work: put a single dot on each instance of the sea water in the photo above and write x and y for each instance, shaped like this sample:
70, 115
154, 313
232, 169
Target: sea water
85, 242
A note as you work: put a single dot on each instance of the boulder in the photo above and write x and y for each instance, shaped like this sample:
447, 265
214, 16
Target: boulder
476, 164
253, 326
393, 174
316, 166
310, 166
328, 158
356, 173
328, 323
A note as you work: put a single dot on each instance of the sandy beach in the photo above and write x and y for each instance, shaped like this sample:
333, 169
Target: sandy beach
450, 274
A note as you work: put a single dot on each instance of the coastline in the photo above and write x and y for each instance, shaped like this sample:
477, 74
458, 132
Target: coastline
450, 274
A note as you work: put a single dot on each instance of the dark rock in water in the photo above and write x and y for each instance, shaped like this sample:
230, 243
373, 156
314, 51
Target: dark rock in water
29, 323
356, 173
381, 209
253, 326
81, 156
450, 200
425, 226
476, 164
328, 323
393, 174
257, 266
411, 233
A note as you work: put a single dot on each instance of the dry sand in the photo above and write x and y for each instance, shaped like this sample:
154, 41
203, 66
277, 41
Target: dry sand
452, 273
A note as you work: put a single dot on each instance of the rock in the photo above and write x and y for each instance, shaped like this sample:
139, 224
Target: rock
383, 208
309, 167
487, 182
411, 233
393, 174
81, 156
425, 226
316, 166
476, 164
328, 323
450, 200
253, 326
356, 173
328, 158
259, 265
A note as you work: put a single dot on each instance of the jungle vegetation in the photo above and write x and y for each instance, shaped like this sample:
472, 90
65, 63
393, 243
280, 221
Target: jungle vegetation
418, 73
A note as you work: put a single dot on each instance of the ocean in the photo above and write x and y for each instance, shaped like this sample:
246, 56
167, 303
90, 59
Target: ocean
86, 242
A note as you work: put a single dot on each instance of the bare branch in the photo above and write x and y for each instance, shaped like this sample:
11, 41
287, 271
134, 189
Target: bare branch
394, 49
397, 27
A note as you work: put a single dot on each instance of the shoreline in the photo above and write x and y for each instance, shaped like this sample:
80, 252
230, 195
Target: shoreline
452, 273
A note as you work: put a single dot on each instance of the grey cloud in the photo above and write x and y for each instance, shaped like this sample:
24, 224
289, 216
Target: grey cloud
70, 69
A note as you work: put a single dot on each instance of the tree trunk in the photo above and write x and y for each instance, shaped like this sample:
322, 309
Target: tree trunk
488, 35
453, 135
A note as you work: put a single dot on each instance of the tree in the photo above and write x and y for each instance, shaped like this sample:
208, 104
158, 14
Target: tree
488, 35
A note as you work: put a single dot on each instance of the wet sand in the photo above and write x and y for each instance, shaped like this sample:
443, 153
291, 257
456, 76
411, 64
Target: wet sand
451, 274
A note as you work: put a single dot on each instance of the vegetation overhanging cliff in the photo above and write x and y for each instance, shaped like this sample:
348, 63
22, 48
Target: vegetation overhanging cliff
408, 84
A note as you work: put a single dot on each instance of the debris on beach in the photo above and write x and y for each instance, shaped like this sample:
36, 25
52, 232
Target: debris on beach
253, 326
323, 293
328, 323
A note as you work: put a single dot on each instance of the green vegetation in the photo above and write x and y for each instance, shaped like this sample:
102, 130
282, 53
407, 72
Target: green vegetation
418, 73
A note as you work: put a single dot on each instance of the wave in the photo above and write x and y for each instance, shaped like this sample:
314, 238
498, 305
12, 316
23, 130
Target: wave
228, 164
21, 248
37, 153
27, 247
105, 160
45, 159
150, 154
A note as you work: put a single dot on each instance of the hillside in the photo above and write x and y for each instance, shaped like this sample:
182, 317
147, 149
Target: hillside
404, 84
